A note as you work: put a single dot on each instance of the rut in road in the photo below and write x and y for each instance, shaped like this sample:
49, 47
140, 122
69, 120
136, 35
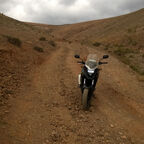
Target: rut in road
48, 110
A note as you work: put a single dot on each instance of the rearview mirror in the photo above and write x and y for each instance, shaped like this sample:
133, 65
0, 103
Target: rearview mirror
77, 56
105, 56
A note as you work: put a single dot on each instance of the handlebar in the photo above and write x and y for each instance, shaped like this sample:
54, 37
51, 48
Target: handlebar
81, 62
100, 63
103, 63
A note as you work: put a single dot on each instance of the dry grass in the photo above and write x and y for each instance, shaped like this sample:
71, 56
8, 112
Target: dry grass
121, 51
13, 40
52, 43
38, 49
42, 39
97, 44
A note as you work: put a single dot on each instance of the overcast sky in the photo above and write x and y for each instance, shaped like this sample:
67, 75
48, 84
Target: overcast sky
67, 11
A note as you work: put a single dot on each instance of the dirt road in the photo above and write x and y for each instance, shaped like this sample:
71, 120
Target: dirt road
48, 108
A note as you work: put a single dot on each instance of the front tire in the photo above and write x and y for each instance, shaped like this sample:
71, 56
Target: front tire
85, 99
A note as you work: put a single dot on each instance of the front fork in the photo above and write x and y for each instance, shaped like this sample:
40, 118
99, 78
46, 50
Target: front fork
83, 86
79, 79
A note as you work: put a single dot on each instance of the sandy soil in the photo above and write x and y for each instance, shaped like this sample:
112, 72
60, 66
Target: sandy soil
48, 107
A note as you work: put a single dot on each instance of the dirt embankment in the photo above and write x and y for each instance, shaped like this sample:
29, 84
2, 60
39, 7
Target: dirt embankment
21, 50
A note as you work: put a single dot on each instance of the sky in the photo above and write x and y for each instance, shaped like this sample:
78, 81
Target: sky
67, 11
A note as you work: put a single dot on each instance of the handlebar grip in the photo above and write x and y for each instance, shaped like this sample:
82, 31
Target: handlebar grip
81, 62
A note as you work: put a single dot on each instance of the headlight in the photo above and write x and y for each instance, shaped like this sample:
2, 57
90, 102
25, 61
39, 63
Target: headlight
90, 71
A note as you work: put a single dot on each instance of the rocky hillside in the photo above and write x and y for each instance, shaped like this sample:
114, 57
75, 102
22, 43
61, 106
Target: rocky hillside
22, 47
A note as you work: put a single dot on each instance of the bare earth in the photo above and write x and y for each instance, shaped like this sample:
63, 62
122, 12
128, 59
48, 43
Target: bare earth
48, 109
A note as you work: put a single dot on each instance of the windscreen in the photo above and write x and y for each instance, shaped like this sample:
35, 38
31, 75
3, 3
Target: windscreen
92, 61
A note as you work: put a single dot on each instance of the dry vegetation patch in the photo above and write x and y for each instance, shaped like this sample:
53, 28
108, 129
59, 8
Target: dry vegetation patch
38, 49
52, 43
42, 39
13, 40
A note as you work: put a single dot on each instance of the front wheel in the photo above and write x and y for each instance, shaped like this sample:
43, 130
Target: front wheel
85, 99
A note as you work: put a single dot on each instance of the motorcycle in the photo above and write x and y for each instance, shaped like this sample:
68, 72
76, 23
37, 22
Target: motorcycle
88, 78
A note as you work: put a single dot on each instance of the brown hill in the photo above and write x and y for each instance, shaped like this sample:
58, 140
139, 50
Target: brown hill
105, 28
122, 35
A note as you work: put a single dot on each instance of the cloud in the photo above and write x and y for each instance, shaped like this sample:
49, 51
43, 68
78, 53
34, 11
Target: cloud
132, 5
67, 2
5, 5
67, 11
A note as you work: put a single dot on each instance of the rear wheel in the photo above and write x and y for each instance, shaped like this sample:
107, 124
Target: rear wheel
85, 99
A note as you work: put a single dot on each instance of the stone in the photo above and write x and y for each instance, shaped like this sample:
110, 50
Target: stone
123, 137
111, 125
